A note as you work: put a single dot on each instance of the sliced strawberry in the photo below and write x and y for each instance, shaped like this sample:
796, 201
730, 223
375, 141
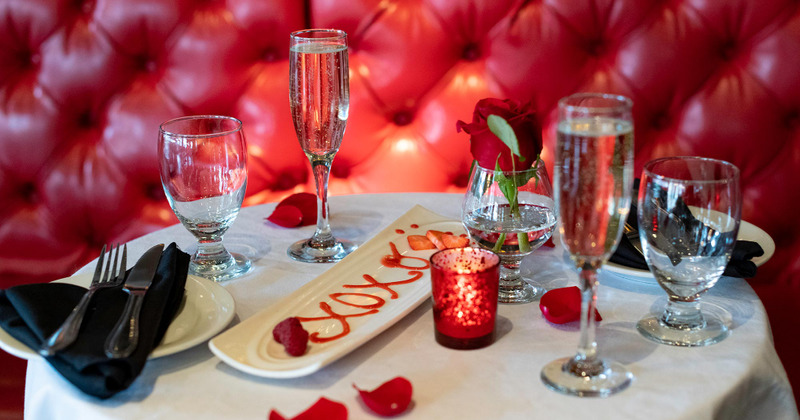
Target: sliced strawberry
292, 335
420, 242
452, 241
436, 237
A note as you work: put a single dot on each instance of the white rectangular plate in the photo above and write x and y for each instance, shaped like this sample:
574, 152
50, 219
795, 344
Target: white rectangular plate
343, 290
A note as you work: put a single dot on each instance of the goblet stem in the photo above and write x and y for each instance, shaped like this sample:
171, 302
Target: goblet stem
323, 238
211, 251
683, 315
509, 272
513, 289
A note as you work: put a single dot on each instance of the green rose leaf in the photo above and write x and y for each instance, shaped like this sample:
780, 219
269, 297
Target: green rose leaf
500, 128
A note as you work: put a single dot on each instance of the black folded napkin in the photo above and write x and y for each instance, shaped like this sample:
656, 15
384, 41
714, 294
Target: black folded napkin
30, 313
740, 264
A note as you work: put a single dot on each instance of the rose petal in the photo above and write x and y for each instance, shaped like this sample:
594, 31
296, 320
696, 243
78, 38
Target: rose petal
563, 305
286, 216
306, 202
389, 399
549, 243
274, 415
323, 409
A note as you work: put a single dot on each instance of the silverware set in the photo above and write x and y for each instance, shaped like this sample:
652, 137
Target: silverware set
124, 337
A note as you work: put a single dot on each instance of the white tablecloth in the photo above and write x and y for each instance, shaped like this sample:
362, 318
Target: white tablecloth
740, 378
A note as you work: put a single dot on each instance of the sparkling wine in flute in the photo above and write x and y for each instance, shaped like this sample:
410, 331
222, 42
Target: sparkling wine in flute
592, 190
319, 97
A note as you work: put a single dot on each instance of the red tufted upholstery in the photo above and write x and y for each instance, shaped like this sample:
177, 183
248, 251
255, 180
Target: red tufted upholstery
84, 85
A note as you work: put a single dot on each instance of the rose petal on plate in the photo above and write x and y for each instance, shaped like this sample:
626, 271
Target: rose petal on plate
323, 409
389, 399
306, 202
286, 216
563, 305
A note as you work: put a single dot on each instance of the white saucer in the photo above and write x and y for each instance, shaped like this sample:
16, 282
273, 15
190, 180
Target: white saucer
207, 308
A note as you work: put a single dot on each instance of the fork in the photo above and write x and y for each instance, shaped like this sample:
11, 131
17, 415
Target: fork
68, 332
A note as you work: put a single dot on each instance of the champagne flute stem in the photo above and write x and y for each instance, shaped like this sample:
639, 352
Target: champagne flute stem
586, 361
323, 238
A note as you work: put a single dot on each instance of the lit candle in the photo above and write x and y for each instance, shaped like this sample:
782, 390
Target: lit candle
464, 287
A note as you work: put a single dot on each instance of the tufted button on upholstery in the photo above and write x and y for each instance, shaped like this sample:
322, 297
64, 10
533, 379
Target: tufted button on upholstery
27, 192
403, 118
661, 121
728, 50
155, 192
270, 54
597, 47
471, 52
792, 120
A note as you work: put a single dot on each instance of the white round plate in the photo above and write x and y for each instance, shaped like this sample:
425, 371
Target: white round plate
207, 308
747, 232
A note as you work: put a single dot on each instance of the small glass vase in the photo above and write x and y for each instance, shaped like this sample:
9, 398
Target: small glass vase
512, 228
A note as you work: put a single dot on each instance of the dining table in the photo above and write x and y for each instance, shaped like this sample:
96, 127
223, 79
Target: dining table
738, 378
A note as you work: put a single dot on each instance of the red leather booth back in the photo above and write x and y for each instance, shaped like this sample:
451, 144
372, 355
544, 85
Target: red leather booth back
85, 84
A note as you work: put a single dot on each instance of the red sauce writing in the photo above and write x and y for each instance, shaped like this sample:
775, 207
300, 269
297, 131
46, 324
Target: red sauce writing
399, 231
394, 260
414, 226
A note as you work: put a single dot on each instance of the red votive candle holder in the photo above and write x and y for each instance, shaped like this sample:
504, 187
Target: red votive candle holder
464, 287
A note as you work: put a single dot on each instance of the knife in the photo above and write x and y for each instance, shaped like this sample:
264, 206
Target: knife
633, 236
125, 336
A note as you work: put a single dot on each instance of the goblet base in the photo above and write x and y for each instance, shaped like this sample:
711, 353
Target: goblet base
714, 330
226, 270
304, 252
611, 378
519, 293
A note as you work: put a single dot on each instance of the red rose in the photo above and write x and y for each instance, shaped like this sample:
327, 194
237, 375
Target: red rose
486, 147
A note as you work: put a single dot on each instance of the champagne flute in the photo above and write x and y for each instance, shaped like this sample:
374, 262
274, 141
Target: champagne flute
689, 212
593, 177
203, 162
319, 96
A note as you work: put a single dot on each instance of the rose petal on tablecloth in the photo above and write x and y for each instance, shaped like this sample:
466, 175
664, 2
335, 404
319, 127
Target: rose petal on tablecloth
389, 399
323, 409
563, 305
306, 203
286, 216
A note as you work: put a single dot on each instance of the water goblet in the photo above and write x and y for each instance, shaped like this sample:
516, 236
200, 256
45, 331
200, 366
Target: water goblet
203, 164
689, 212
319, 97
593, 179
512, 229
